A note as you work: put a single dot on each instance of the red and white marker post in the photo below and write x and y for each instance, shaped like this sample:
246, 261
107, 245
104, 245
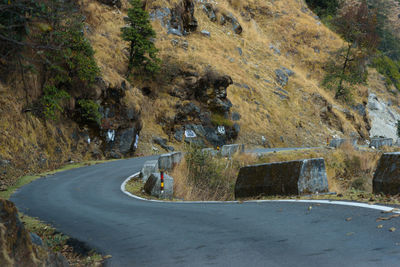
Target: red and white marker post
162, 181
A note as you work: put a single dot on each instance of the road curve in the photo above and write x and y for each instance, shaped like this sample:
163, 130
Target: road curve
87, 204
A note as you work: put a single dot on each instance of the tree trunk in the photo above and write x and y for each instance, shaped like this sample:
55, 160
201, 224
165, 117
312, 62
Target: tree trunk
340, 90
131, 55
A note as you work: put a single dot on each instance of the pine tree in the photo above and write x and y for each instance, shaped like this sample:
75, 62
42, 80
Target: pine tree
140, 34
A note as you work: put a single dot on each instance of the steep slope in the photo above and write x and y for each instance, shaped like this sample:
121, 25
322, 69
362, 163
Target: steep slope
276, 37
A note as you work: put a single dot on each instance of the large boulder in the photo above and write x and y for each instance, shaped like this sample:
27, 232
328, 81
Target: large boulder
212, 89
282, 178
387, 175
148, 168
153, 186
17, 248
182, 18
230, 18
380, 142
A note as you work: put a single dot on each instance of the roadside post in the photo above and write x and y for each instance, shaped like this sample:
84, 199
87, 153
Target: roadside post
162, 182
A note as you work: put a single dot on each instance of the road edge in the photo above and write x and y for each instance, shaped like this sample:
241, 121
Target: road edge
310, 201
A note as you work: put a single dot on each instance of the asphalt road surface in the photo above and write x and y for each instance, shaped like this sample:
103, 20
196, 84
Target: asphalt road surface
87, 204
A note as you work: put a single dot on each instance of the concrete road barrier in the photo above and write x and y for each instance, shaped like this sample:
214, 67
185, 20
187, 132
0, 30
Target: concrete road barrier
282, 178
340, 141
153, 186
176, 158
149, 167
229, 150
167, 162
387, 175
380, 142
210, 151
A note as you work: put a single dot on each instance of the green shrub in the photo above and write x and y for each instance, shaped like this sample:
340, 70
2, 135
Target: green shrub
389, 68
89, 110
208, 175
220, 120
51, 101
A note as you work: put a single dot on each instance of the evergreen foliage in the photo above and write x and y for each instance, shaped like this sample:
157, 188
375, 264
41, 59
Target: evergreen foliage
140, 35
51, 101
89, 111
389, 68
47, 35
324, 8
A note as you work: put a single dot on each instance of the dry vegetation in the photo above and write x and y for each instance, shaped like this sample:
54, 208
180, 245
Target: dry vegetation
202, 177
305, 45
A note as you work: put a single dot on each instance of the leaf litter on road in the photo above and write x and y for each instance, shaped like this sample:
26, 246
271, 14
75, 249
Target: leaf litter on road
387, 218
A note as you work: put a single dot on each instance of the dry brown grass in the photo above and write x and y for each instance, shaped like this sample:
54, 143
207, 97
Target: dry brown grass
281, 23
347, 169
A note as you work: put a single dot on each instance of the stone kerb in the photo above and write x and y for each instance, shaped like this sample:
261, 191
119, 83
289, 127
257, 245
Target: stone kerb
153, 186
387, 175
149, 167
282, 178
380, 142
336, 143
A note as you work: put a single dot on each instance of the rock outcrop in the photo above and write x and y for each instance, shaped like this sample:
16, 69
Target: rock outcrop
282, 178
16, 247
182, 18
383, 118
120, 125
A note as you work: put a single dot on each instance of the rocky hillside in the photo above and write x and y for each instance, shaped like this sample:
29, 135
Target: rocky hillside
254, 67
232, 71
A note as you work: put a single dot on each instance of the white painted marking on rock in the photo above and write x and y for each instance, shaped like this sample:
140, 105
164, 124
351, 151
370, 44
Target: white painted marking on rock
331, 202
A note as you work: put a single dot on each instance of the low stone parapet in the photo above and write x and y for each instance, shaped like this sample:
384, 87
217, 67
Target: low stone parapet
336, 143
230, 150
282, 178
387, 175
167, 162
153, 186
149, 167
380, 142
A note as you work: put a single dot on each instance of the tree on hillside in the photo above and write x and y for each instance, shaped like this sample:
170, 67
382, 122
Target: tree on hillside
324, 7
45, 37
140, 34
357, 24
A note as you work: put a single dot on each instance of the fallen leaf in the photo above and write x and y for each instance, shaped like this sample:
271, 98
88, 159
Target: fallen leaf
392, 229
379, 226
387, 218
107, 257
310, 207
348, 219
349, 234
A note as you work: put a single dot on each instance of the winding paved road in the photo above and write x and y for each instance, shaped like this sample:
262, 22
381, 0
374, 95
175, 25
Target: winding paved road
87, 204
